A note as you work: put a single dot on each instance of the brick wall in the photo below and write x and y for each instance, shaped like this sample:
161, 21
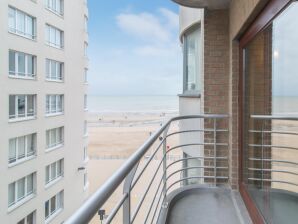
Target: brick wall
216, 82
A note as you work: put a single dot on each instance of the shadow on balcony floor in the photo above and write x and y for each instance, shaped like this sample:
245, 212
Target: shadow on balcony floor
207, 205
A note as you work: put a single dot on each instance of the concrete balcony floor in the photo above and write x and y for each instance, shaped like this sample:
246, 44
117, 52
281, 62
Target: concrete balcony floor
208, 206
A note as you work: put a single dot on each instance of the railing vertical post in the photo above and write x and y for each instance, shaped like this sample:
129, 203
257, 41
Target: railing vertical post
164, 189
214, 148
127, 190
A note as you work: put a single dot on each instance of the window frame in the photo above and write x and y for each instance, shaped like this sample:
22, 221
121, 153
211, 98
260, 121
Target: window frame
195, 28
54, 76
57, 109
57, 144
58, 175
48, 4
16, 73
14, 30
25, 116
59, 202
18, 201
48, 36
28, 154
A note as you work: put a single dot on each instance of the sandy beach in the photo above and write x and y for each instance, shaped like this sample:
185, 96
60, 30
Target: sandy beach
113, 138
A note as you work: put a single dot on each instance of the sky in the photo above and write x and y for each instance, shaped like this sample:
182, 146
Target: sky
134, 48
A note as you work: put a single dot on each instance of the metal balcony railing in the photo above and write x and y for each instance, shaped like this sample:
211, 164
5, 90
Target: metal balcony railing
272, 151
197, 154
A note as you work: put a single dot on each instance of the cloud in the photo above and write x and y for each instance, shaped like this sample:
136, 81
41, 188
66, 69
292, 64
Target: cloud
172, 18
148, 26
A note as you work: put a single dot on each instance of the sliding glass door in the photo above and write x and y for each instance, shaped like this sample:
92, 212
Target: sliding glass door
270, 118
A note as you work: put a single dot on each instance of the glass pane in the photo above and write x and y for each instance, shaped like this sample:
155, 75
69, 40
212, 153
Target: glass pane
21, 147
52, 35
47, 104
270, 143
48, 34
53, 171
12, 62
12, 150
11, 193
53, 137
31, 144
21, 222
11, 19
30, 218
58, 38
59, 167
47, 174
47, 209
192, 61
21, 63
21, 188
53, 103
53, 70
21, 22
47, 68
30, 184
30, 65
12, 108
48, 138
30, 105
53, 204
29, 27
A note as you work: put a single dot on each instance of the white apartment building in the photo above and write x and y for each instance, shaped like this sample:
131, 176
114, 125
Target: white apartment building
43, 141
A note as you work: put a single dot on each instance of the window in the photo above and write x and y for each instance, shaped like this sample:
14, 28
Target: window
22, 106
86, 23
29, 219
54, 104
21, 189
21, 148
21, 65
192, 64
54, 36
54, 171
85, 153
85, 102
85, 48
21, 23
54, 137
85, 128
54, 70
86, 75
54, 205
55, 6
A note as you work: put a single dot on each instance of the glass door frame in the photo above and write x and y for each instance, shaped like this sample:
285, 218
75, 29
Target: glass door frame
272, 9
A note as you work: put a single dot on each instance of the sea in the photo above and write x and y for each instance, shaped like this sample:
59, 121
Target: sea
134, 104
282, 105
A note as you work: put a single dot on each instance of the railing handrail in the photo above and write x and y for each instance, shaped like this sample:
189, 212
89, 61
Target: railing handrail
275, 117
91, 206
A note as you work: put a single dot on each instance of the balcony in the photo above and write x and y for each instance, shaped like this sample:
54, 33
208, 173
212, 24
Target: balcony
187, 161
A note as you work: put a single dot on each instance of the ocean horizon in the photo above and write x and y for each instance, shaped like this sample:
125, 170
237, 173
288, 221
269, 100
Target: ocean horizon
133, 104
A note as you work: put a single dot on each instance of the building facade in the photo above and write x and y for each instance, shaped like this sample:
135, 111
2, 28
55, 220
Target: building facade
43, 85
248, 72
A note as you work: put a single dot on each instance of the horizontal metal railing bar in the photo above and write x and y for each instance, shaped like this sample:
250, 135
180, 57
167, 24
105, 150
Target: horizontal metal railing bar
275, 132
275, 181
273, 160
274, 171
197, 130
116, 209
90, 207
272, 146
197, 157
196, 177
274, 117
188, 168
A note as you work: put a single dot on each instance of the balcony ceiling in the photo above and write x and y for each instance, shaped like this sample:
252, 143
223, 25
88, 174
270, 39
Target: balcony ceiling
209, 4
